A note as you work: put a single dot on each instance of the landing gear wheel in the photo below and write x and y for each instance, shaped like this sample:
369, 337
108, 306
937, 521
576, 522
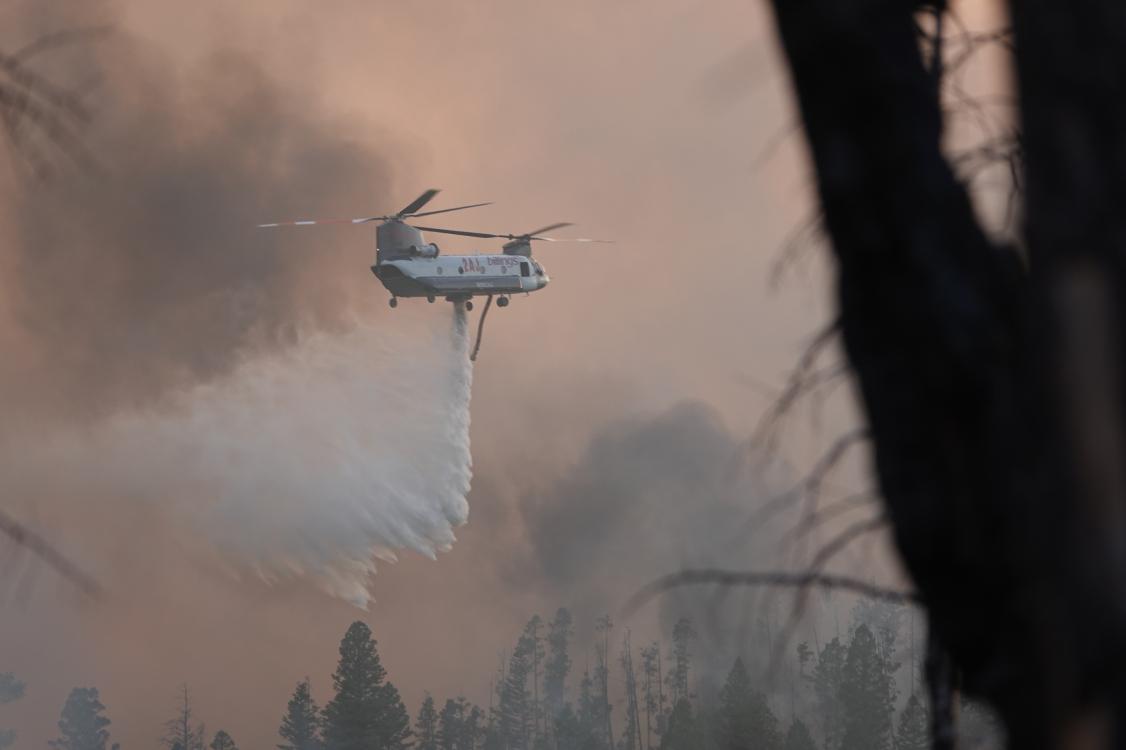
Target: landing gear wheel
430, 298
469, 305
394, 302
502, 301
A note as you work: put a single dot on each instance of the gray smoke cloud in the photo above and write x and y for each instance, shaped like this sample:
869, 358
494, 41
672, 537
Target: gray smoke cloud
369, 456
665, 477
146, 273
652, 495
152, 329
141, 293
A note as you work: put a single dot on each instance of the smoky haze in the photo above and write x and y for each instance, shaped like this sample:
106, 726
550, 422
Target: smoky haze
606, 409
659, 493
647, 491
145, 274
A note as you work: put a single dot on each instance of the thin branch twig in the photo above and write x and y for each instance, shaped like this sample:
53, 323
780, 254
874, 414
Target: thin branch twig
38, 546
800, 580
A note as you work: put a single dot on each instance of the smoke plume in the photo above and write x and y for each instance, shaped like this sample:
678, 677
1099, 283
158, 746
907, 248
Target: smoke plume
658, 492
163, 347
312, 461
143, 273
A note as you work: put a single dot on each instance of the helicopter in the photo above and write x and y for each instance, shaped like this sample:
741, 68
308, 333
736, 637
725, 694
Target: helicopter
408, 266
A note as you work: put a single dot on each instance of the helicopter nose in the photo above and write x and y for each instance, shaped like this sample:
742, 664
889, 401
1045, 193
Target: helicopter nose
544, 280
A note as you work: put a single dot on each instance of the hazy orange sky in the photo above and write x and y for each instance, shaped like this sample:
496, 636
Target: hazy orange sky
645, 123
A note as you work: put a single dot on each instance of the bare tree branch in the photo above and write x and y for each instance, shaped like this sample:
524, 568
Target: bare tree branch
810, 485
779, 579
42, 549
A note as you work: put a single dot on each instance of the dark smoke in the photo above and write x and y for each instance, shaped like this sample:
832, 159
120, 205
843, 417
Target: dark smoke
146, 273
650, 496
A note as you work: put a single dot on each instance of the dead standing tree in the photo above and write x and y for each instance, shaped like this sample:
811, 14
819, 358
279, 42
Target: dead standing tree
991, 383
41, 123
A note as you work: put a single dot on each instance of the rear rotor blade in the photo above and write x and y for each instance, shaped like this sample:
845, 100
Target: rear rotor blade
418, 202
446, 210
549, 227
570, 239
463, 233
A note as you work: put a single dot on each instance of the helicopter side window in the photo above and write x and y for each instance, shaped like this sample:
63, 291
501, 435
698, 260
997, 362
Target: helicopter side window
524, 269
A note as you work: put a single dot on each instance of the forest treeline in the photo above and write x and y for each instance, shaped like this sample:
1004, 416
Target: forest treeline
845, 697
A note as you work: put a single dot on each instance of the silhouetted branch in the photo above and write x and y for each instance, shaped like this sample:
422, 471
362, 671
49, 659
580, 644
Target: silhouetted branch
58, 39
854, 531
810, 485
797, 384
783, 134
37, 545
841, 507
29, 102
799, 241
798, 580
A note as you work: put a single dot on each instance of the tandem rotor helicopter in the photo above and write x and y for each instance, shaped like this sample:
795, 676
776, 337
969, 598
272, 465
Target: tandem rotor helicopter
410, 267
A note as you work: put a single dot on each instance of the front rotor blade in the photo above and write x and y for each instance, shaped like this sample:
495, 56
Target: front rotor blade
463, 233
310, 222
446, 210
549, 227
418, 202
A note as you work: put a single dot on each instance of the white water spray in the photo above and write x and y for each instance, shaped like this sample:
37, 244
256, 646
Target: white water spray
347, 450
312, 463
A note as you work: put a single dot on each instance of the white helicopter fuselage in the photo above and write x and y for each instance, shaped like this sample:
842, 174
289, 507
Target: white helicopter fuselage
408, 266
429, 274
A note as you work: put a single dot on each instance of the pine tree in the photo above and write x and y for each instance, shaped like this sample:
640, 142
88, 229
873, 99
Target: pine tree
449, 724
654, 694
516, 711
571, 732
805, 653
223, 741
827, 692
395, 727
366, 712
603, 625
799, 738
866, 695
745, 720
301, 725
558, 663
681, 732
493, 739
472, 729
885, 620
426, 727
459, 725
913, 732
82, 725
591, 728
180, 732
532, 631
631, 738
682, 636
11, 689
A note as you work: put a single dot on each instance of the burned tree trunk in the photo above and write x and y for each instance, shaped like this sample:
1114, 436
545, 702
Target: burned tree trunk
992, 384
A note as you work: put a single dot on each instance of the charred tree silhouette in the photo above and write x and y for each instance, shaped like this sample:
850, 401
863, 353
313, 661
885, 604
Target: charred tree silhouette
41, 122
991, 379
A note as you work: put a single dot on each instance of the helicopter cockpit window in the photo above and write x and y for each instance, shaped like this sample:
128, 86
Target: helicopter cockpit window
524, 270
